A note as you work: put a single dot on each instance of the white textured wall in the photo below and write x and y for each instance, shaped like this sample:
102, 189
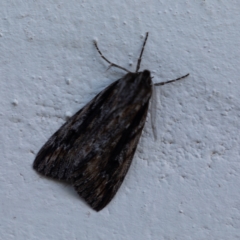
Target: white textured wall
183, 186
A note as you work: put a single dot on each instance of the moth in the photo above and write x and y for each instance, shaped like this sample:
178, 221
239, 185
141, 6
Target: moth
94, 149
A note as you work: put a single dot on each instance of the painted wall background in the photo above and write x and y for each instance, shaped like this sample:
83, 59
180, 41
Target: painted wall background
182, 186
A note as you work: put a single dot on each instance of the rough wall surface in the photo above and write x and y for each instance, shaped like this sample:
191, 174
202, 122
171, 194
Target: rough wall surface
182, 186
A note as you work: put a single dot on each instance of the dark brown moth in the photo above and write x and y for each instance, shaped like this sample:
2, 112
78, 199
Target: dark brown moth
94, 148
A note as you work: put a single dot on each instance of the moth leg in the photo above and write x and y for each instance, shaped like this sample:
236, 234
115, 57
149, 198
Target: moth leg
111, 64
140, 57
170, 81
153, 112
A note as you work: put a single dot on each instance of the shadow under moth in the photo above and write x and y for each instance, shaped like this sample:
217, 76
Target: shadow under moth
93, 150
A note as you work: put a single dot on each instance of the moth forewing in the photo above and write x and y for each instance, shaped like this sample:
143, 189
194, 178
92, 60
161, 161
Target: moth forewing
99, 178
95, 156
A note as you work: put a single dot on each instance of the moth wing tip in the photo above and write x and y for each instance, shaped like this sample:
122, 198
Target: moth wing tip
98, 207
34, 165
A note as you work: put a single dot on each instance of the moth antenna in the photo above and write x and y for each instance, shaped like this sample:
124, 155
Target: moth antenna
170, 81
140, 57
111, 64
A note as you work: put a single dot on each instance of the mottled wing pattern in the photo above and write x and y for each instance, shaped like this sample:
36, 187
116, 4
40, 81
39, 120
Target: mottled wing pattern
57, 158
94, 149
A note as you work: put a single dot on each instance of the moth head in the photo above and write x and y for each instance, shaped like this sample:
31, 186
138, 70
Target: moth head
146, 77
